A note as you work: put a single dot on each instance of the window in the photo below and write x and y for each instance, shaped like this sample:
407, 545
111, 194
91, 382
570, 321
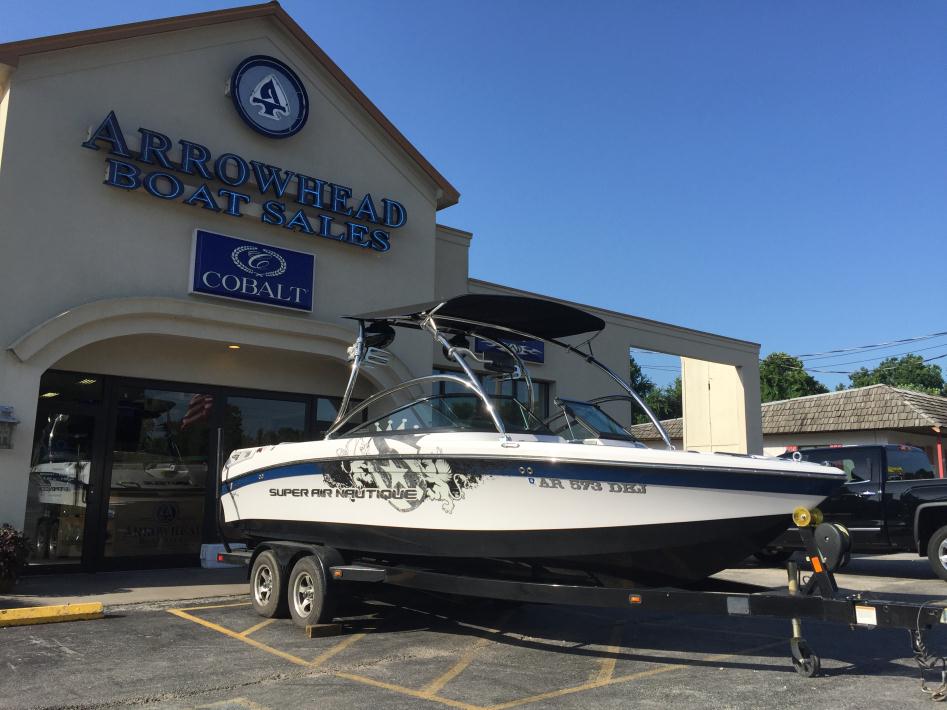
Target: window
857, 463
494, 386
905, 463
455, 412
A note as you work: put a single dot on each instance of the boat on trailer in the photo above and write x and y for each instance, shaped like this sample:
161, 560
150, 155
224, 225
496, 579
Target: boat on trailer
468, 475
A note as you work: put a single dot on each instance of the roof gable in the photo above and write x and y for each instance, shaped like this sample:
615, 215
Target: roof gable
11, 52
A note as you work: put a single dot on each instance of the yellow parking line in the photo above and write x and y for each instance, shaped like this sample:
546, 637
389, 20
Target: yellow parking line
607, 669
233, 634
257, 627
340, 646
408, 691
214, 606
244, 702
434, 686
623, 679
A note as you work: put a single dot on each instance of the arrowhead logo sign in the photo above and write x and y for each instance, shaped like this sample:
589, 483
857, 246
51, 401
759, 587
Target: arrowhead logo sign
271, 98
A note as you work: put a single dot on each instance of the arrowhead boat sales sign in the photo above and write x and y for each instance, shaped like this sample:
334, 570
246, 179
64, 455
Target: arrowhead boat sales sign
247, 271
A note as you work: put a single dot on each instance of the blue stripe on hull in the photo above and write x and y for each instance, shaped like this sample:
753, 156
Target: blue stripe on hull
689, 478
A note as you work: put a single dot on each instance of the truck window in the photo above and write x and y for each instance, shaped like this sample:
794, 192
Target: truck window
856, 464
908, 464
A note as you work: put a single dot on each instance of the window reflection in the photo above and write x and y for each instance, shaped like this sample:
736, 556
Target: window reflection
159, 472
59, 485
249, 421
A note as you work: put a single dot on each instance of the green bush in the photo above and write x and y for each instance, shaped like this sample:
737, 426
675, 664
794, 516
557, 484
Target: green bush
13, 551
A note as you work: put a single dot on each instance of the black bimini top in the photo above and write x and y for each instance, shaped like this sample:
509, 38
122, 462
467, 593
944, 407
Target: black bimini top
483, 313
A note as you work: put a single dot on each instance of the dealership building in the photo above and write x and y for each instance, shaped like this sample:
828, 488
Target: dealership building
189, 207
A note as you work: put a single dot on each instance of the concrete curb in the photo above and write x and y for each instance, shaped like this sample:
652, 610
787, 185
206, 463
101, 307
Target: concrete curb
50, 614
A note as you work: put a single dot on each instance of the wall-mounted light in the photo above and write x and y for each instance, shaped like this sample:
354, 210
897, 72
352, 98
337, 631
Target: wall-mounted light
233, 347
7, 423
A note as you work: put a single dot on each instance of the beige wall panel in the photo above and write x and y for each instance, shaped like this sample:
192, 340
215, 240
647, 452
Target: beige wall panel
452, 249
714, 407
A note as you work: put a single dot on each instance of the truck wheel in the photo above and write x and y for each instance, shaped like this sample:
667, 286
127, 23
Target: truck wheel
268, 586
309, 603
937, 552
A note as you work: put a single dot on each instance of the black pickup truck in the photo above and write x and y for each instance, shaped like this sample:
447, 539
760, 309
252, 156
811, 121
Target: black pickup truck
892, 502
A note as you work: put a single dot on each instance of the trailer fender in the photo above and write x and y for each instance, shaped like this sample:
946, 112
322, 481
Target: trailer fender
287, 553
928, 518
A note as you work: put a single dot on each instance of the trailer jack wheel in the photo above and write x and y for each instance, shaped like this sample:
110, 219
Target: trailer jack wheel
805, 662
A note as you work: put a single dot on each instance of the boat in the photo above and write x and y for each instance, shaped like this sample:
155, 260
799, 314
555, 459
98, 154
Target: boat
460, 474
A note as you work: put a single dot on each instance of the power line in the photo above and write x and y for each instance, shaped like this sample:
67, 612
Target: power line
874, 346
883, 369
876, 357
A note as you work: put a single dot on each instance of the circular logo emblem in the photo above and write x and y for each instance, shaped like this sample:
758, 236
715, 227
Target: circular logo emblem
258, 261
269, 96
166, 512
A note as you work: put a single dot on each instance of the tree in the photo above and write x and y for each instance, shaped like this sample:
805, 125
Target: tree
666, 402
782, 377
909, 372
639, 381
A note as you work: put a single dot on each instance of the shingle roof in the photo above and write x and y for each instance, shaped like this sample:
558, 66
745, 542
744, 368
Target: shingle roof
873, 407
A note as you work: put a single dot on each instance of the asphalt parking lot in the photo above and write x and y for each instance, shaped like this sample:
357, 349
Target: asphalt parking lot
402, 649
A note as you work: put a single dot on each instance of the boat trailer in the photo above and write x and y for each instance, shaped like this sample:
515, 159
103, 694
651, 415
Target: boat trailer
811, 593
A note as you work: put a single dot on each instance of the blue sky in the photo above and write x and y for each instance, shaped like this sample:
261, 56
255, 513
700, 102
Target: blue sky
766, 170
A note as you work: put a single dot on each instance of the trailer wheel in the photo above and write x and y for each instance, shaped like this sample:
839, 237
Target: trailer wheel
804, 661
937, 552
309, 603
268, 586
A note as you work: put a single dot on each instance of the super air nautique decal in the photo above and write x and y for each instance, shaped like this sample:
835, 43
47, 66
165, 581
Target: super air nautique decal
405, 483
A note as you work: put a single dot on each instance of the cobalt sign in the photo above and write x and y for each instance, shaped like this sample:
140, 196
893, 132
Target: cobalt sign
235, 268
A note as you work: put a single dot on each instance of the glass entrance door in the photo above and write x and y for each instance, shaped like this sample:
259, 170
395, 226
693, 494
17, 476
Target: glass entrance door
60, 481
160, 461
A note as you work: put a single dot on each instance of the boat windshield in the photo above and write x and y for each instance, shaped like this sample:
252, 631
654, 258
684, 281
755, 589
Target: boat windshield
454, 412
581, 420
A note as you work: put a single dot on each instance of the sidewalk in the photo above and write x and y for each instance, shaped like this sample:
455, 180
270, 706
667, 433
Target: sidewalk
127, 587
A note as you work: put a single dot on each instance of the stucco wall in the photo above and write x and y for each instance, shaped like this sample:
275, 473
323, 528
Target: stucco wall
121, 260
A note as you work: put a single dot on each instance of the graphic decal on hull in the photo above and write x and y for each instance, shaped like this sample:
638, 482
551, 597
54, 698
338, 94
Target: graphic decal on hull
404, 483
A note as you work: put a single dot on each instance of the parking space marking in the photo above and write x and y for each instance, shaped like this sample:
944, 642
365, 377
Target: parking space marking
340, 646
432, 688
216, 606
257, 627
607, 668
408, 691
591, 685
242, 702
604, 675
233, 634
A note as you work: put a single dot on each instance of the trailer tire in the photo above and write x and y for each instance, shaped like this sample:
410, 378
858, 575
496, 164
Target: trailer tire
268, 586
307, 594
937, 552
